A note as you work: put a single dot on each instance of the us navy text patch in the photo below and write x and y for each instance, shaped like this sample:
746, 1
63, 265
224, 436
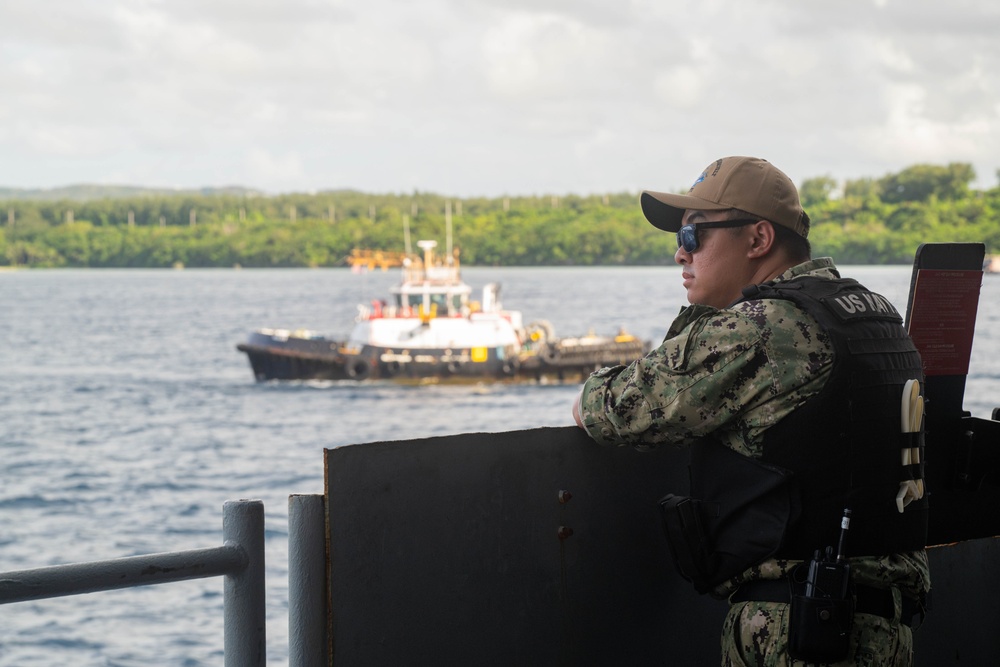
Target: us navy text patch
862, 305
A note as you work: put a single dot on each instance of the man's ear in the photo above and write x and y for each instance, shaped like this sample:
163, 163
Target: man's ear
762, 238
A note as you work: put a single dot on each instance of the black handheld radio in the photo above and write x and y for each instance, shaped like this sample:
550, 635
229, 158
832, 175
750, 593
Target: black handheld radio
822, 614
829, 576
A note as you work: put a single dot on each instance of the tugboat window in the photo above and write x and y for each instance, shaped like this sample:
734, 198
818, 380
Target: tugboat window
440, 300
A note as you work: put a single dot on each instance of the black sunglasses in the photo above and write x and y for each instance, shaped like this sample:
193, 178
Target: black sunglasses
687, 236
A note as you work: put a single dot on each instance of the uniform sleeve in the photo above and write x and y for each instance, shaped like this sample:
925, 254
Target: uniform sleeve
704, 374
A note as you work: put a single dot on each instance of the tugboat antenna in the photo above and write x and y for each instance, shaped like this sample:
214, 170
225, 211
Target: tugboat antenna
447, 226
406, 236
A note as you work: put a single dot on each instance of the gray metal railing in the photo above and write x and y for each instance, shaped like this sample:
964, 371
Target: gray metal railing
307, 587
240, 559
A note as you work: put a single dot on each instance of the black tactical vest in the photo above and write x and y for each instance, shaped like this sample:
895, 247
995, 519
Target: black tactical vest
843, 445
840, 449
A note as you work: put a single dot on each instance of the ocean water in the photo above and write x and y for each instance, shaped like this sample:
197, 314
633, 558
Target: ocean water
127, 419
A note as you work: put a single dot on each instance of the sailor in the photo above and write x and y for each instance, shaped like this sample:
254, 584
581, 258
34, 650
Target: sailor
785, 380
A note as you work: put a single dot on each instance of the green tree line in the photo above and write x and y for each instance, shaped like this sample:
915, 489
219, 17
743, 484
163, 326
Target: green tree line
866, 221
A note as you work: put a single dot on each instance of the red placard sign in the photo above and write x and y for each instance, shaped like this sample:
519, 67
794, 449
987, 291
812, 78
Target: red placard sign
943, 319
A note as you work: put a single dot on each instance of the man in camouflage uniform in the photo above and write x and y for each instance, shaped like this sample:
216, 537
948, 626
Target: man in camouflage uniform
731, 368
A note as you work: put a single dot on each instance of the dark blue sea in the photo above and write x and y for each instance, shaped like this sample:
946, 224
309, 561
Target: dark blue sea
127, 419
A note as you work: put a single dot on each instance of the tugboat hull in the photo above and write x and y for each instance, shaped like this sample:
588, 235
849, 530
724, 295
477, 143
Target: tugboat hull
285, 356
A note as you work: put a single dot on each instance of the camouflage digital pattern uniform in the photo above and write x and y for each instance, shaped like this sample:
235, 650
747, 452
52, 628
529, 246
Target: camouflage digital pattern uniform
732, 373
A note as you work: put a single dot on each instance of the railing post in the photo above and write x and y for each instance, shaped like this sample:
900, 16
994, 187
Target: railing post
243, 592
307, 618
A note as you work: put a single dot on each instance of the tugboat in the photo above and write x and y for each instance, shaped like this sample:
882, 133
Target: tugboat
433, 332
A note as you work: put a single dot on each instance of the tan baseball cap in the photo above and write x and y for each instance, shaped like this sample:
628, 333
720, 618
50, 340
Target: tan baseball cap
746, 183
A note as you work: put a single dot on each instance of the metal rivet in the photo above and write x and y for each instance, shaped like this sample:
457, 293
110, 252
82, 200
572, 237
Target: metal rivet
565, 496
564, 532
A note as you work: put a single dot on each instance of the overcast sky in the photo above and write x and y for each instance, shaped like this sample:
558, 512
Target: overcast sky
490, 97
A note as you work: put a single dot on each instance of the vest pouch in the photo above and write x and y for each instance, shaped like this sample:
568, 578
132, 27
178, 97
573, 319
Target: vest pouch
738, 515
687, 539
819, 629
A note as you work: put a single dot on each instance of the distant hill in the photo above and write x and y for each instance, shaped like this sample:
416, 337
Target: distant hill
88, 192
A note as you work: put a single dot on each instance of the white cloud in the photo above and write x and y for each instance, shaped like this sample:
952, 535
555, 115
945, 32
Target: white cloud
489, 96
543, 55
911, 136
264, 166
682, 87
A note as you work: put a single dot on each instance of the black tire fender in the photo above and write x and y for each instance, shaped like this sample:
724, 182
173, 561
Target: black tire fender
359, 369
